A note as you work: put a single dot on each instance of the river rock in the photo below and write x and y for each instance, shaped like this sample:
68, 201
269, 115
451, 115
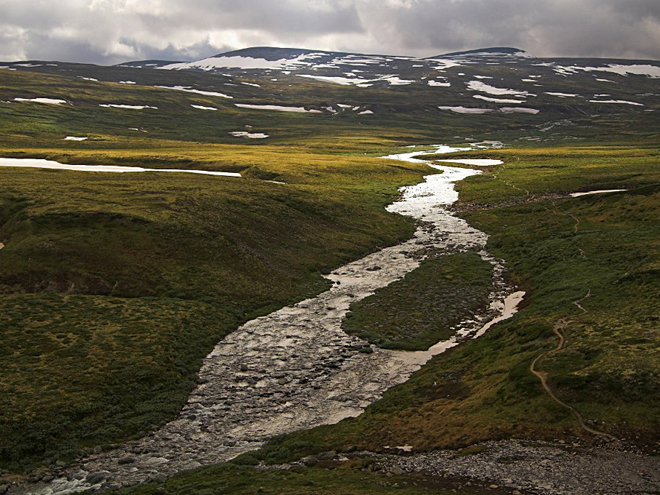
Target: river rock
97, 477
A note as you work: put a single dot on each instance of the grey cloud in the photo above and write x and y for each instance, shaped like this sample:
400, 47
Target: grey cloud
110, 31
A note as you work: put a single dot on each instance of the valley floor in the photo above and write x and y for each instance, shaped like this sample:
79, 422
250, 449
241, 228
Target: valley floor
295, 368
155, 325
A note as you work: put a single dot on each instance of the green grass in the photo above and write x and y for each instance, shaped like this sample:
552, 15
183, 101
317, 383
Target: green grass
113, 287
610, 367
421, 309
344, 478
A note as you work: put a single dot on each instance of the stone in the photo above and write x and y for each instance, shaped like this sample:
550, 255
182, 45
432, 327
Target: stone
97, 477
159, 478
328, 456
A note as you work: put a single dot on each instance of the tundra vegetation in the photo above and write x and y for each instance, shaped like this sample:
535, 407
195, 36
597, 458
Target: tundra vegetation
113, 287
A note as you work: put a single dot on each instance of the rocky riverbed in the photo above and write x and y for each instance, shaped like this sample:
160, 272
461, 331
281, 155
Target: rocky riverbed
518, 467
295, 368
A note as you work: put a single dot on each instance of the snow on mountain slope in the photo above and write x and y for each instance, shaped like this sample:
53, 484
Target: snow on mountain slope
497, 51
497, 82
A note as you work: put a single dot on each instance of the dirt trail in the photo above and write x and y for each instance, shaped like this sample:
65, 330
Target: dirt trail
558, 329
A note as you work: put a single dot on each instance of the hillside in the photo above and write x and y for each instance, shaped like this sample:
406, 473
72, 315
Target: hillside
267, 217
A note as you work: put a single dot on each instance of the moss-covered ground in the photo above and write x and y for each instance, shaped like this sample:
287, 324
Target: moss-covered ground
113, 287
424, 307
591, 261
329, 479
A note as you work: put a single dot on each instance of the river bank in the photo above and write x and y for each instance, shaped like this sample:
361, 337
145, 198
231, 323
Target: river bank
295, 368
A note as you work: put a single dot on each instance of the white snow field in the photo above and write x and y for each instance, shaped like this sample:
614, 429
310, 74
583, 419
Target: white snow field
46, 101
52, 165
196, 91
201, 107
467, 110
129, 107
249, 135
277, 108
492, 90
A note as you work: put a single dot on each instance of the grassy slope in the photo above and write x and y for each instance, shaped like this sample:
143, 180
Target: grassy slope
609, 370
484, 389
421, 309
69, 319
115, 286
330, 480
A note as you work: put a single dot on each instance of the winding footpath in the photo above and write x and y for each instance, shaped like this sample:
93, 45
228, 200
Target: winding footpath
558, 329
295, 368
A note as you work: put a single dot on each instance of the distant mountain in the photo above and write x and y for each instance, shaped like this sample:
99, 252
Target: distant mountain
273, 53
278, 58
498, 51
497, 81
147, 64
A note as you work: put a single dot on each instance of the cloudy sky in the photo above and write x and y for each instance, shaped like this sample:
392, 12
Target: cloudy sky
111, 31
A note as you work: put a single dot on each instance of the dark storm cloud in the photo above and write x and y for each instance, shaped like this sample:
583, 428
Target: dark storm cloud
110, 31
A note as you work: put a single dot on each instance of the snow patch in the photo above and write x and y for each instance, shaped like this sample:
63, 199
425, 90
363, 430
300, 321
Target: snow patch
602, 191
277, 108
648, 70
129, 107
396, 81
46, 101
200, 107
496, 100
344, 81
442, 84
249, 135
561, 95
531, 111
487, 88
228, 62
467, 110
444, 64
616, 102
52, 165
196, 91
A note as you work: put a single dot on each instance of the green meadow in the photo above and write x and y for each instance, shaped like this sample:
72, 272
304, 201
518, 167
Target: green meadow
113, 287
591, 261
